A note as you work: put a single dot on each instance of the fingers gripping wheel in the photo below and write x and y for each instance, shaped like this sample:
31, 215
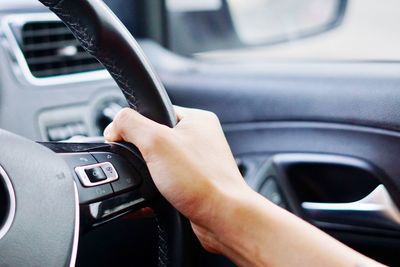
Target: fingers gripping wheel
104, 36
101, 33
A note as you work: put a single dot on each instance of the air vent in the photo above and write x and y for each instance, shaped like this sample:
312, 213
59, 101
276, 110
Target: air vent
51, 50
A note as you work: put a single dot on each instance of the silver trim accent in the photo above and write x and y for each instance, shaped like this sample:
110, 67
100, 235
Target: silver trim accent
75, 243
20, 63
80, 171
11, 213
377, 208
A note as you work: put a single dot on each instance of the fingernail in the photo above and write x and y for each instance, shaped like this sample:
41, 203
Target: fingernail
107, 131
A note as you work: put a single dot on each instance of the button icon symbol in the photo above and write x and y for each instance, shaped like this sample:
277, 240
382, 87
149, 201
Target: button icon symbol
60, 176
100, 191
109, 157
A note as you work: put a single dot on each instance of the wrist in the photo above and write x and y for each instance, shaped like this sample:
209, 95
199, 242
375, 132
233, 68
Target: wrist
243, 218
230, 207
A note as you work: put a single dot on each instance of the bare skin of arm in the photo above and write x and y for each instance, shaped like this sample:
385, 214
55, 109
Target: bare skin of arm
193, 167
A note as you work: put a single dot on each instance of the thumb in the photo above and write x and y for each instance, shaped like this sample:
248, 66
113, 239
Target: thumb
133, 127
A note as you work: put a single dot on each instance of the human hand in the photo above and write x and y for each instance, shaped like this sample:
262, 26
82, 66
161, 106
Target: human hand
191, 165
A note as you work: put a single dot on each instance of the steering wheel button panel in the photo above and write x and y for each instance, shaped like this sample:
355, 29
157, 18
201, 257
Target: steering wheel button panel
94, 194
129, 177
96, 174
125, 183
78, 159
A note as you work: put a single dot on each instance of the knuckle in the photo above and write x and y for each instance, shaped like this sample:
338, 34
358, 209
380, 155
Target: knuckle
122, 119
212, 116
156, 138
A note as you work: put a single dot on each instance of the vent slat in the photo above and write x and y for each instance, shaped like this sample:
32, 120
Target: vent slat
50, 59
51, 50
46, 32
49, 45
63, 71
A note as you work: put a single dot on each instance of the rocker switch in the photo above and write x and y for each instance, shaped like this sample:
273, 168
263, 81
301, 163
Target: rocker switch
96, 174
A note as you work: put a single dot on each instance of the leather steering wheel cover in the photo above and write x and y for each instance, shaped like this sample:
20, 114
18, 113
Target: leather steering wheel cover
44, 229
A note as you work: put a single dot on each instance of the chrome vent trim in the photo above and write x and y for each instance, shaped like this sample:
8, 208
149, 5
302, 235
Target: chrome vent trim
50, 49
69, 49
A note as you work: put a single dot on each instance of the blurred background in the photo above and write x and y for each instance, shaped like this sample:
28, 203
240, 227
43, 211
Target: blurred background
350, 30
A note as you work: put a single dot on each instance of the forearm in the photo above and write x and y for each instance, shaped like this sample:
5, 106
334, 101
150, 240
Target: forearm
258, 233
193, 167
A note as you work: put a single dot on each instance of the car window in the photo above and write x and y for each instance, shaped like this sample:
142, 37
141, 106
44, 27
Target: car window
334, 30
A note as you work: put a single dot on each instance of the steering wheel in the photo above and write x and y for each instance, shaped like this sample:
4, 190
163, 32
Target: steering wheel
50, 192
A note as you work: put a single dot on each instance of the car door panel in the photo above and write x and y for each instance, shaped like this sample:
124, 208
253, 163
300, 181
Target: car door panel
344, 93
341, 109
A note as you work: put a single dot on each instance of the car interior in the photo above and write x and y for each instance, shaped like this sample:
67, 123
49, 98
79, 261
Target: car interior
314, 132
